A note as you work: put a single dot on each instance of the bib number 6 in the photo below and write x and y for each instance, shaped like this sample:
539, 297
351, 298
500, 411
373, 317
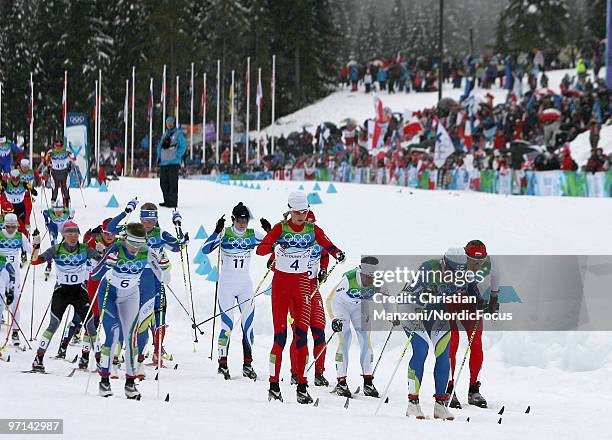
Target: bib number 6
125, 284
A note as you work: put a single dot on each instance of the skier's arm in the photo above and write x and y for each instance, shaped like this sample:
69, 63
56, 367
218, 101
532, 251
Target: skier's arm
324, 263
45, 257
326, 243
93, 254
267, 244
113, 225
107, 262
170, 241
211, 243
25, 244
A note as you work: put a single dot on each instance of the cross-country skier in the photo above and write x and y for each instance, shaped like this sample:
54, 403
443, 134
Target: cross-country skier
31, 177
153, 299
237, 243
55, 217
317, 273
292, 242
7, 149
345, 306
478, 260
72, 267
431, 279
16, 192
60, 162
7, 285
120, 272
12, 243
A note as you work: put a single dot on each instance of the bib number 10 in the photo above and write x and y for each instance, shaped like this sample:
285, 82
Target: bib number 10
71, 278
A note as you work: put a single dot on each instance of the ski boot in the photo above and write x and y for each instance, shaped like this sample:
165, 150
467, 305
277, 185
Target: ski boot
47, 271
293, 378
247, 371
131, 392
368, 387
223, 368
441, 411
320, 380
274, 393
61, 353
84, 361
76, 339
104, 389
342, 388
302, 394
454, 402
15, 339
474, 396
37, 365
414, 408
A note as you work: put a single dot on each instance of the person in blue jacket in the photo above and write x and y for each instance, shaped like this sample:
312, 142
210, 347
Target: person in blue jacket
7, 148
170, 151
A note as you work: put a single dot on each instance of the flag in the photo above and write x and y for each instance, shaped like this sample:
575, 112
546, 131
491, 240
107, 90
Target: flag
470, 100
150, 104
398, 57
412, 128
467, 135
377, 127
260, 101
31, 104
444, 145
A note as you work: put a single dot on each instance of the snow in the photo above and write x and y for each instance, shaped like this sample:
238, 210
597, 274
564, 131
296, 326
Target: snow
344, 104
554, 373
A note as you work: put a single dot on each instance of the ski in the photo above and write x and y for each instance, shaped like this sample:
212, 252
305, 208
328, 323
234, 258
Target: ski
76, 370
73, 361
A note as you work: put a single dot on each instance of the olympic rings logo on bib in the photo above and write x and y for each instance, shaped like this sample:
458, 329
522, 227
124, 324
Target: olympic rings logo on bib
133, 267
10, 244
240, 242
71, 259
298, 240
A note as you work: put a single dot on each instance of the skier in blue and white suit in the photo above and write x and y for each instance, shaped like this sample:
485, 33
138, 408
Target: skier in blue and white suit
237, 243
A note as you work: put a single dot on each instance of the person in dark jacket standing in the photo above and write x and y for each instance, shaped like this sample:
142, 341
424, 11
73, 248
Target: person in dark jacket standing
170, 151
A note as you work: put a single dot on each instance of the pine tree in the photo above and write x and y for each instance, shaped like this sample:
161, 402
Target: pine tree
398, 28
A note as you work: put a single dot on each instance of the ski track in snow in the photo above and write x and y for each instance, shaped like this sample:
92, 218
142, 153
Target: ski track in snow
562, 376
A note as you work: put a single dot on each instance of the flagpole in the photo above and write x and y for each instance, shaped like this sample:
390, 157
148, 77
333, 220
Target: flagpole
258, 113
232, 122
97, 97
248, 97
126, 116
273, 97
177, 103
99, 119
151, 127
0, 107
218, 106
163, 103
65, 103
204, 119
32, 120
132, 128
191, 118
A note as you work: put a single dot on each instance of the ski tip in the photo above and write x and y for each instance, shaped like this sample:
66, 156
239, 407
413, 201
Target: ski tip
76, 358
499, 421
387, 400
528, 410
175, 366
316, 402
501, 411
71, 373
167, 399
467, 420
8, 359
156, 376
346, 404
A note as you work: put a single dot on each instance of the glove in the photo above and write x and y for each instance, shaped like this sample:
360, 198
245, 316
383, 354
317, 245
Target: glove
176, 218
284, 245
322, 276
185, 240
337, 325
493, 305
34, 192
265, 225
131, 205
10, 296
166, 143
220, 224
36, 239
340, 257
100, 248
396, 322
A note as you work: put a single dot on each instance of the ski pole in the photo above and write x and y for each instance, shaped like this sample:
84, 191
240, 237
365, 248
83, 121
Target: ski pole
78, 179
179, 235
263, 279
399, 361
167, 286
159, 338
212, 335
383, 349
467, 350
324, 281
237, 305
32, 303
42, 321
320, 353
13, 322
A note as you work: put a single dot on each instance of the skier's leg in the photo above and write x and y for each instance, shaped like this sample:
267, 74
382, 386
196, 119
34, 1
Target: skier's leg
440, 336
58, 307
146, 310
280, 307
301, 299
247, 311
453, 346
339, 309
127, 307
476, 352
420, 347
80, 302
225, 300
317, 327
110, 324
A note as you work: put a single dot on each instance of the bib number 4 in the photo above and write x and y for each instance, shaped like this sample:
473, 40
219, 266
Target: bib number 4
295, 265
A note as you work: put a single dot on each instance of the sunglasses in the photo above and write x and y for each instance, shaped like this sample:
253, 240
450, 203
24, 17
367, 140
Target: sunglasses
301, 211
136, 244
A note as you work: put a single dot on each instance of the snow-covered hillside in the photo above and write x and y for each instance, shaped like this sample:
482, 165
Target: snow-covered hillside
564, 377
